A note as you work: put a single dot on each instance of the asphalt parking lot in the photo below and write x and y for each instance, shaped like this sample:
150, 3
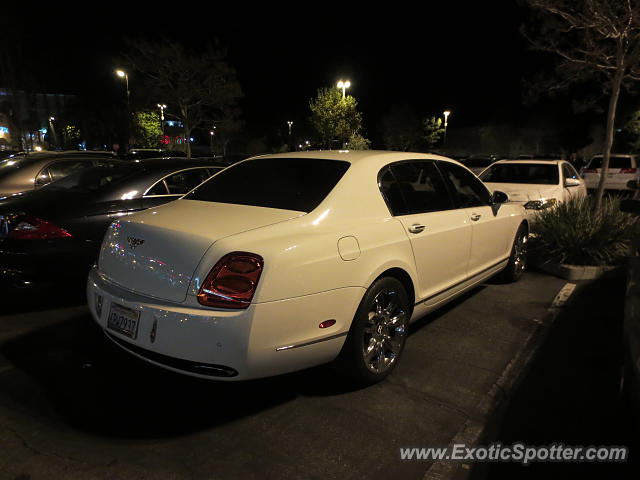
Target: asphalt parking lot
72, 406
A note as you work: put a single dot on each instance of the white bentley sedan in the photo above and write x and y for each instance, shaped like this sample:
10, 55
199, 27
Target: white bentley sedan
283, 262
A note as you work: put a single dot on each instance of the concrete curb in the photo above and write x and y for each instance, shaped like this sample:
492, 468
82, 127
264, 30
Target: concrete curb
473, 430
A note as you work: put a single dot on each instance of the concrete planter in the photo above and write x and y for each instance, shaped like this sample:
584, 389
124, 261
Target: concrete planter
575, 273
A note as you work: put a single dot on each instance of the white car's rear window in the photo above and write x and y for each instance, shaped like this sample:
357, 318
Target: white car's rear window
298, 184
614, 162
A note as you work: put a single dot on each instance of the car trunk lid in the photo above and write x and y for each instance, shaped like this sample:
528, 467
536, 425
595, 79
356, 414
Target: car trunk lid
156, 252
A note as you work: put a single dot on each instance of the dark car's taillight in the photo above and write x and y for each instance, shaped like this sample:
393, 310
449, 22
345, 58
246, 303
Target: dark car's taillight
232, 281
33, 228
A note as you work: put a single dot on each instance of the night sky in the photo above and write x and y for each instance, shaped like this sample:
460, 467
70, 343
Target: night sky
468, 57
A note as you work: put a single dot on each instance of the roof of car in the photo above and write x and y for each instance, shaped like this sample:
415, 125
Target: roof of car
532, 161
356, 156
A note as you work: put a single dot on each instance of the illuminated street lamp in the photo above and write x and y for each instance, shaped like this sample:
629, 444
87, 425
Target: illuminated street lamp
123, 74
344, 86
446, 114
53, 132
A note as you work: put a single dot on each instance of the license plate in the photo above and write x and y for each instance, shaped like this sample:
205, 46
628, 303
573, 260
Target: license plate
123, 320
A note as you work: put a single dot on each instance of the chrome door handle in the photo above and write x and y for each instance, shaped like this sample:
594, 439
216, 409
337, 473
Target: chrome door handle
416, 228
475, 217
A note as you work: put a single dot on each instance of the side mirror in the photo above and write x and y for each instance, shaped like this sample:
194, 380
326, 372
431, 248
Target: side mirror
499, 197
633, 185
571, 182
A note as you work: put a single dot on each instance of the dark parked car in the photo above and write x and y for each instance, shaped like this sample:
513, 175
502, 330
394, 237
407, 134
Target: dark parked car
53, 235
22, 173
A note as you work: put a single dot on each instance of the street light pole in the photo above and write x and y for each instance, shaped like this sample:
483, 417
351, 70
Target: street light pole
290, 123
446, 114
344, 86
53, 132
212, 133
162, 106
123, 74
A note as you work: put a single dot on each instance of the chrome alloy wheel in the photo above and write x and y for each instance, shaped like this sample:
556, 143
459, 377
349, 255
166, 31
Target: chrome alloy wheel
384, 332
520, 253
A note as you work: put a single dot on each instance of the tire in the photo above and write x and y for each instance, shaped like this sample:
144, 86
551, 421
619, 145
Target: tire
378, 333
518, 258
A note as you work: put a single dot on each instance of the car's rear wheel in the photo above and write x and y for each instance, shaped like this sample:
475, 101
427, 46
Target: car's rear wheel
378, 333
518, 258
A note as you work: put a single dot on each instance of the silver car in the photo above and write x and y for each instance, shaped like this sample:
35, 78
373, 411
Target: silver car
21, 173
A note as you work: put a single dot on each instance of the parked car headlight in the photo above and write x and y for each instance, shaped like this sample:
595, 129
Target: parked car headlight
540, 204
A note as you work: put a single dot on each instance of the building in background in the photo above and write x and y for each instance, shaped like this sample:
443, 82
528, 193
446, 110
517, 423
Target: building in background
26, 118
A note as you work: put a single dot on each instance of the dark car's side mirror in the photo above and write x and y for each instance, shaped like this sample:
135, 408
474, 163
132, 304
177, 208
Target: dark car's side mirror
499, 197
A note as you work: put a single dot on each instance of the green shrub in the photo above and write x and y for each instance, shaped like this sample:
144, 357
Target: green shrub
573, 233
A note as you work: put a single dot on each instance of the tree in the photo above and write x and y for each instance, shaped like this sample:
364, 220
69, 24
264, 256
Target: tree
592, 39
402, 129
227, 128
358, 142
433, 130
335, 117
70, 137
146, 129
200, 87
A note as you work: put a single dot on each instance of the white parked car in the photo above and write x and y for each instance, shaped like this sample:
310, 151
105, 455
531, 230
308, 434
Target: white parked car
283, 262
622, 169
536, 184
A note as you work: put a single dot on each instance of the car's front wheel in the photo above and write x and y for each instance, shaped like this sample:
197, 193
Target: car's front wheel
378, 333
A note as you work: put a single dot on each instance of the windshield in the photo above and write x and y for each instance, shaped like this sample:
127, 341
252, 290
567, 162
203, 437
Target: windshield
529, 173
285, 183
614, 162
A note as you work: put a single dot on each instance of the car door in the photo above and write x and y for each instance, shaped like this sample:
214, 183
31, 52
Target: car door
440, 235
491, 229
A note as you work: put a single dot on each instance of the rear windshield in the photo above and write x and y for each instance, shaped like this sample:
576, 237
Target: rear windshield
537, 174
614, 162
285, 183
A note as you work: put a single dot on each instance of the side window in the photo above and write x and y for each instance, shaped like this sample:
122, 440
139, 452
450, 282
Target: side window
415, 187
569, 172
470, 191
185, 181
391, 193
43, 178
158, 189
59, 170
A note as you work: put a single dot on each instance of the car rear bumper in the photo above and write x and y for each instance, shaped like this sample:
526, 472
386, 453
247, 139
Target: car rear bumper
266, 339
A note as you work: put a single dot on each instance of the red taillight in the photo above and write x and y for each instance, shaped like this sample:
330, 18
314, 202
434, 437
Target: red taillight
628, 170
232, 281
33, 228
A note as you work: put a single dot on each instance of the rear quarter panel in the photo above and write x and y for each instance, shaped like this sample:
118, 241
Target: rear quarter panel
301, 258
